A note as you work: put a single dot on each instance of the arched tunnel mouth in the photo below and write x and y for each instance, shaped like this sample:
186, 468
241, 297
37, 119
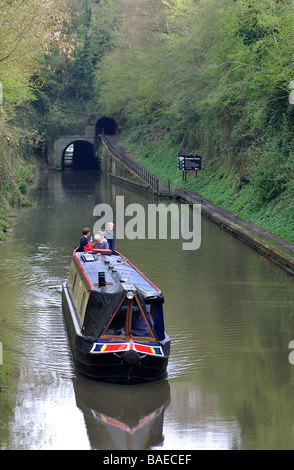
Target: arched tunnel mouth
106, 125
80, 155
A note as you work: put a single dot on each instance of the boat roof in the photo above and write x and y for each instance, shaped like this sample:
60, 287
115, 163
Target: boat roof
118, 270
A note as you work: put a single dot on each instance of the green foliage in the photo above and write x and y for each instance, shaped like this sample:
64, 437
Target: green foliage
197, 61
271, 171
28, 30
210, 76
205, 76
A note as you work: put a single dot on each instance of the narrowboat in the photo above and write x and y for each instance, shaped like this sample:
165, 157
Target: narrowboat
114, 319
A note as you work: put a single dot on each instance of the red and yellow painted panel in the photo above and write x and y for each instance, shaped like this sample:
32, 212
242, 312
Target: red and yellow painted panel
104, 347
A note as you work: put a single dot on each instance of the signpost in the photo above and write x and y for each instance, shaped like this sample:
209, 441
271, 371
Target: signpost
189, 162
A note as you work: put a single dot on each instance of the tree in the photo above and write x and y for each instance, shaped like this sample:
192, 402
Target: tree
27, 29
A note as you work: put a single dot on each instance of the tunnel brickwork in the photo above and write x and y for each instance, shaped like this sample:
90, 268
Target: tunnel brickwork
80, 143
85, 145
106, 125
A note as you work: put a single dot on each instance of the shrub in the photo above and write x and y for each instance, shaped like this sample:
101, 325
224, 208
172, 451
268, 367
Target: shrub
271, 171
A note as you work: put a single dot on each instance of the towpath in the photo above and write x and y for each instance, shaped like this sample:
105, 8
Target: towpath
278, 250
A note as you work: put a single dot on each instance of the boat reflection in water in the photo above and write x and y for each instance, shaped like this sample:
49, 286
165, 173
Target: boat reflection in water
122, 417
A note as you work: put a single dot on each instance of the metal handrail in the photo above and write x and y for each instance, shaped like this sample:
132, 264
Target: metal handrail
139, 170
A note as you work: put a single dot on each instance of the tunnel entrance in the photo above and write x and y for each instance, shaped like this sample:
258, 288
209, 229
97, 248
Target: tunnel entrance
106, 125
79, 155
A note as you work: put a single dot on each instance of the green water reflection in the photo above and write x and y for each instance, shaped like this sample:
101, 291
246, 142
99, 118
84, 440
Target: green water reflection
228, 311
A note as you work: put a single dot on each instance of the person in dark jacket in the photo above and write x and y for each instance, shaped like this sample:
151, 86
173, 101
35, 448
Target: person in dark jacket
85, 244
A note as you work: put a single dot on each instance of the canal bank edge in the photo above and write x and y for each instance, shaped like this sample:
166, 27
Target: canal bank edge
247, 232
23, 178
242, 231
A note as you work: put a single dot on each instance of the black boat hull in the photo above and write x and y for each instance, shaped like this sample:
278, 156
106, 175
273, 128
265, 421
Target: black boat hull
119, 367
112, 368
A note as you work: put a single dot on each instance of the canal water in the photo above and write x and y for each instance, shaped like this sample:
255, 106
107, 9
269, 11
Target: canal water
229, 312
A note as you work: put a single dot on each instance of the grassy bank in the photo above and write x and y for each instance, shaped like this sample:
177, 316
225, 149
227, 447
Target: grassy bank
217, 182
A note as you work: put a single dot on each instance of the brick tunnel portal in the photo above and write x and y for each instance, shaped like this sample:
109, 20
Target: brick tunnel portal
79, 152
79, 155
107, 124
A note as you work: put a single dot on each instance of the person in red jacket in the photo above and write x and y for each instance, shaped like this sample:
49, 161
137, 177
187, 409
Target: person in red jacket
85, 244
